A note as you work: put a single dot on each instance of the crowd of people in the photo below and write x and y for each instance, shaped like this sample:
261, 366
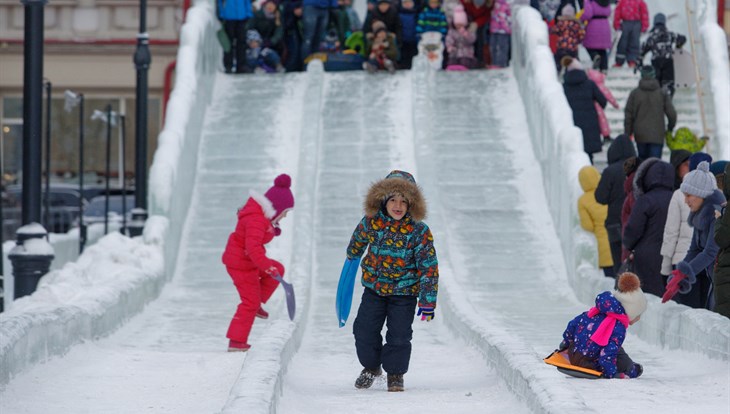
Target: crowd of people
284, 35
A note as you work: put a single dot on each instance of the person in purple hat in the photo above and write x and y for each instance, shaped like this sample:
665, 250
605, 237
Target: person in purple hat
246, 261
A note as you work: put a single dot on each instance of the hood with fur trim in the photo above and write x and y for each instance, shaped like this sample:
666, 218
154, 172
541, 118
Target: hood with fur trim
397, 182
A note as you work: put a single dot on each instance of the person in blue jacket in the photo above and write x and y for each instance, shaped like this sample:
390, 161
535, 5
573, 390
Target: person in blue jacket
594, 338
234, 15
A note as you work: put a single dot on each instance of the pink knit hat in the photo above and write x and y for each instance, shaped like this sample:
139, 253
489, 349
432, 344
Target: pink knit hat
460, 15
280, 195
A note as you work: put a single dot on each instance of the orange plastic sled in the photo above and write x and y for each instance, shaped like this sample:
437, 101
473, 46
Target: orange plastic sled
562, 363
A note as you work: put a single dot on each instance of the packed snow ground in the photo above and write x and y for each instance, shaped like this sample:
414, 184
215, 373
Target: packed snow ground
468, 147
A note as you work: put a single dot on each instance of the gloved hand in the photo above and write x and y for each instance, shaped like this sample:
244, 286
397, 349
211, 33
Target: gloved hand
563, 345
426, 313
272, 271
636, 371
677, 282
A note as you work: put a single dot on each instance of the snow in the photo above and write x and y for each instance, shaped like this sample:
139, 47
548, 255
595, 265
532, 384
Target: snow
497, 316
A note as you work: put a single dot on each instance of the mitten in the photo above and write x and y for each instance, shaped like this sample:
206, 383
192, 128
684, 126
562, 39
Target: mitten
636, 371
677, 282
272, 271
426, 313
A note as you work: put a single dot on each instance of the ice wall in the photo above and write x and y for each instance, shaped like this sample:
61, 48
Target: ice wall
558, 147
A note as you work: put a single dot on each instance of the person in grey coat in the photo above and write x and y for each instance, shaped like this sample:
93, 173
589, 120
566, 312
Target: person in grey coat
644, 115
645, 228
610, 191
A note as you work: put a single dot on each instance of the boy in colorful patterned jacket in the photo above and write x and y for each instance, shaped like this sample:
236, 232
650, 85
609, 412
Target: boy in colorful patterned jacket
593, 339
432, 19
399, 271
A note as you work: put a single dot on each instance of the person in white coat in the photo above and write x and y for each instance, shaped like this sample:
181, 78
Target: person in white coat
677, 232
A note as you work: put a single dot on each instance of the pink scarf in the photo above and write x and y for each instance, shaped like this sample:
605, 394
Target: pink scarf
603, 333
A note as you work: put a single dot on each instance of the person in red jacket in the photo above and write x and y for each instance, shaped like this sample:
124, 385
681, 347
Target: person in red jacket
246, 261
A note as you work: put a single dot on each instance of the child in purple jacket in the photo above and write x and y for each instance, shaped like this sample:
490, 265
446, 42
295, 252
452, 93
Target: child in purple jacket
593, 339
598, 30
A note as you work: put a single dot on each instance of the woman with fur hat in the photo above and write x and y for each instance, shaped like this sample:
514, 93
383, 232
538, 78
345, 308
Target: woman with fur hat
593, 339
246, 261
399, 271
694, 275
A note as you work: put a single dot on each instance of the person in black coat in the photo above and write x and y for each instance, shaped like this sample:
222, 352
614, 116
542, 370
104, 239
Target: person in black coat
644, 230
581, 93
610, 191
387, 13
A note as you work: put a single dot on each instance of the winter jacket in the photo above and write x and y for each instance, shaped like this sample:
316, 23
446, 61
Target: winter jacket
582, 327
593, 215
408, 20
644, 231
460, 43
703, 250
581, 93
626, 208
644, 113
432, 20
599, 79
661, 43
390, 18
480, 15
570, 33
234, 9
401, 259
292, 23
722, 270
501, 19
245, 248
598, 29
677, 233
271, 33
632, 10
610, 188
380, 52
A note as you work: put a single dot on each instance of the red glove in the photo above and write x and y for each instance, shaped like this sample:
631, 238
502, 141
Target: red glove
673, 285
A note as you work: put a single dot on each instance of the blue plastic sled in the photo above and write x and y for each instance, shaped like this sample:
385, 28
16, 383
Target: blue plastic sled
344, 290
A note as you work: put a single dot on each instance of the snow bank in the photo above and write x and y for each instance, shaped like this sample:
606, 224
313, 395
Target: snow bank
111, 281
174, 165
558, 147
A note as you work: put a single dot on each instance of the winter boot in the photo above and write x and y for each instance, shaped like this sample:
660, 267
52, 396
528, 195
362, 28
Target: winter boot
235, 346
395, 382
369, 67
367, 377
261, 313
390, 66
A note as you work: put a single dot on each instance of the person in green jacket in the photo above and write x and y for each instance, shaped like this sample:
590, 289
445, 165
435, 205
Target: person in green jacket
644, 115
722, 238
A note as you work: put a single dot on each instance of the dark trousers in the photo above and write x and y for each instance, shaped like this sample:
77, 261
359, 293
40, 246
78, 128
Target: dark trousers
407, 52
697, 297
601, 53
499, 44
314, 25
614, 241
482, 41
624, 364
293, 61
664, 69
629, 45
397, 312
236, 58
647, 150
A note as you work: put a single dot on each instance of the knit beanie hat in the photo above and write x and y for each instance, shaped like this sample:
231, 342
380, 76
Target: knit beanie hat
660, 18
677, 157
630, 295
253, 35
696, 158
568, 11
460, 16
647, 72
699, 182
280, 195
718, 167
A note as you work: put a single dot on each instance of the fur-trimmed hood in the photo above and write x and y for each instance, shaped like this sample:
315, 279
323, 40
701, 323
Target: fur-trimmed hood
397, 182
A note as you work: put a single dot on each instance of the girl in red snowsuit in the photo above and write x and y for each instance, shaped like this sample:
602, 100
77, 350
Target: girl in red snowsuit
246, 261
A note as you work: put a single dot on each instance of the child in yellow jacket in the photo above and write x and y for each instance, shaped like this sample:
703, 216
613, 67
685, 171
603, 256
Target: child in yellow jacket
593, 217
